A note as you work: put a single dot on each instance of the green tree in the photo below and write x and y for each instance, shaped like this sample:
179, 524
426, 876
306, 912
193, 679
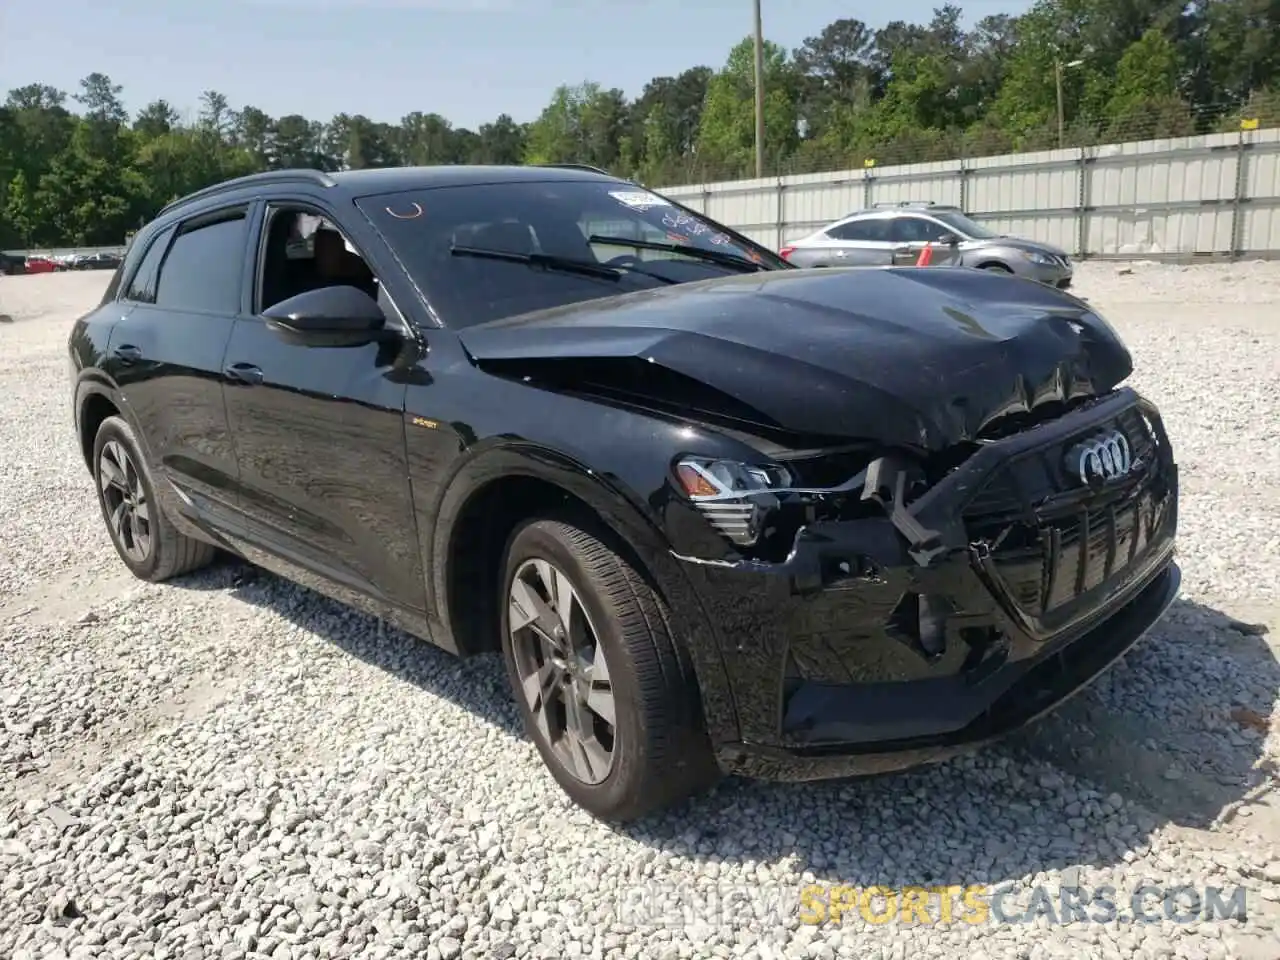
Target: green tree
835, 75
155, 120
75, 170
1148, 71
19, 211
502, 141
215, 113
427, 138
581, 124
253, 132
87, 196
101, 100
663, 124
726, 135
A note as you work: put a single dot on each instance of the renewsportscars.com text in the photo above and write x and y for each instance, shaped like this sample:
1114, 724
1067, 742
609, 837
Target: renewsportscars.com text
658, 904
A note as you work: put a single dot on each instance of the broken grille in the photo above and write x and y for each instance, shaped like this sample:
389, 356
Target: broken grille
1053, 541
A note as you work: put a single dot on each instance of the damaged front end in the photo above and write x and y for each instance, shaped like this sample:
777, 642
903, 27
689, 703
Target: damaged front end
879, 609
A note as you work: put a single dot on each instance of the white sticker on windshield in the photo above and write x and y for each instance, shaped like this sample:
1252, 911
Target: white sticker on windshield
638, 199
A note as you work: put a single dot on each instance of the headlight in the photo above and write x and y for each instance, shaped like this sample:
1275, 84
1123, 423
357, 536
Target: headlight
1043, 259
735, 498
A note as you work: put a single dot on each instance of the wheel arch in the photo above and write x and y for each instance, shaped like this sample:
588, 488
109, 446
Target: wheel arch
95, 401
988, 263
505, 485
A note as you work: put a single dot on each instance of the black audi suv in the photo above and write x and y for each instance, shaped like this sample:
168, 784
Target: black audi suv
717, 513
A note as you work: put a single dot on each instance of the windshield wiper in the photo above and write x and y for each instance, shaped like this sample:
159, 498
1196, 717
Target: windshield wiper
713, 256
588, 268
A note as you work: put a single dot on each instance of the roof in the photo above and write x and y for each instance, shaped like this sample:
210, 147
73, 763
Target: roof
890, 209
396, 179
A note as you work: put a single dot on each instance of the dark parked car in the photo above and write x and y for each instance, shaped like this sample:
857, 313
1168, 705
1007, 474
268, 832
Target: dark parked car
716, 512
102, 260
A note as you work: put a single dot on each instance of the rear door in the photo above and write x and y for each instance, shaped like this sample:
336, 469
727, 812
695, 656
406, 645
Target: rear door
861, 243
165, 354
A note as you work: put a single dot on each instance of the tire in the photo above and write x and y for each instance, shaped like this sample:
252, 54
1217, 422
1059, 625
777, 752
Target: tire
659, 752
163, 552
996, 268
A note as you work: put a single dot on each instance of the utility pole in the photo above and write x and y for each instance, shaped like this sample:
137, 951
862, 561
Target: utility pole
759, 94
1057, 75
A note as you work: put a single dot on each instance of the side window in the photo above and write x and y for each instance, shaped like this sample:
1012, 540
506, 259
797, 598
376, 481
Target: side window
933, 231
202, 270
303, 251
853, 230
916, 230
142, 288
870, 230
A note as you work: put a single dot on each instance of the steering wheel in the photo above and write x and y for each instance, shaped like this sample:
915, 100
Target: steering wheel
624, 260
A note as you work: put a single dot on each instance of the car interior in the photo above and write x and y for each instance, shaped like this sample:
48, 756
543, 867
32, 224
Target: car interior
559, 236
304, 252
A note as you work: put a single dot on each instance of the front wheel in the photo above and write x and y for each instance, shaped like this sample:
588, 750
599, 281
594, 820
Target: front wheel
996, 268
606, 692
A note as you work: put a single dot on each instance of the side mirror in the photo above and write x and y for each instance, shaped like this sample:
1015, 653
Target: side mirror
950, 240
327, 317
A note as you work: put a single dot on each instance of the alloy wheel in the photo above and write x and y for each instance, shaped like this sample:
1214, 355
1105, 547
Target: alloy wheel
125, 501
564, 676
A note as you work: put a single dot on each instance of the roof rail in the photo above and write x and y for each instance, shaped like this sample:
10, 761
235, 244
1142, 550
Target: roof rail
294, 175
575, 166
903, 203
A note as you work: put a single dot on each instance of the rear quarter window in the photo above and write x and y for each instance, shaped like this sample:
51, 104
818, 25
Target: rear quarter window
113, 286
874, 230
142, 284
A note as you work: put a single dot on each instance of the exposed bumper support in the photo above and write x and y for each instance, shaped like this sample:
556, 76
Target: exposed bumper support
1039, 686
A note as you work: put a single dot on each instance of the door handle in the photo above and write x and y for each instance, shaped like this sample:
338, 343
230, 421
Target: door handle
127, 353
244, 372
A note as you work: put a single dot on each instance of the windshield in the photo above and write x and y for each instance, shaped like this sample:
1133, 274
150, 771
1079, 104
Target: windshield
962, 224
554, 243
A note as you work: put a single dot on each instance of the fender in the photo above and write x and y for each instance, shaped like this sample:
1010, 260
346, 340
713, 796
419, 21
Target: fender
626, 515
93, 382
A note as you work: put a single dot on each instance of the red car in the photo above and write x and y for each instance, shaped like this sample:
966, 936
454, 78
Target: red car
40, 265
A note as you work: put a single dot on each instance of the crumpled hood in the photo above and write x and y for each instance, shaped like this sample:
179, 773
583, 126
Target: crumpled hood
905, 356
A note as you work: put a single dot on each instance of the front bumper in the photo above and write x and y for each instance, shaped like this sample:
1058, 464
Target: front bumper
1058, 275
827, 682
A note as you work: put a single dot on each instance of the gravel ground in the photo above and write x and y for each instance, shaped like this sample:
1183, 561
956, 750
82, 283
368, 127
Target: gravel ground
230, 766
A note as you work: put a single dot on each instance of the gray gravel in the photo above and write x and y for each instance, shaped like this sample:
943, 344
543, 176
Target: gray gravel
230, 766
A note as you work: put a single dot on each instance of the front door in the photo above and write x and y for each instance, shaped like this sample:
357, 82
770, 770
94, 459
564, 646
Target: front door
320, 433
911, 235
166, 352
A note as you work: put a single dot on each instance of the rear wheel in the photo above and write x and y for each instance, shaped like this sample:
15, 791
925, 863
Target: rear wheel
607, 694
144, 538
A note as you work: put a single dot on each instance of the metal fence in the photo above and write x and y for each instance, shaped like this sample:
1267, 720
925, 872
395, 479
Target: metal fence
65, 251
1207, 197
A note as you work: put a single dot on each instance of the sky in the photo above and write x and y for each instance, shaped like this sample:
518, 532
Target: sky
468, 60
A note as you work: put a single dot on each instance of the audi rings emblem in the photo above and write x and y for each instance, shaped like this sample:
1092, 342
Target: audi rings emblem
1101, 459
